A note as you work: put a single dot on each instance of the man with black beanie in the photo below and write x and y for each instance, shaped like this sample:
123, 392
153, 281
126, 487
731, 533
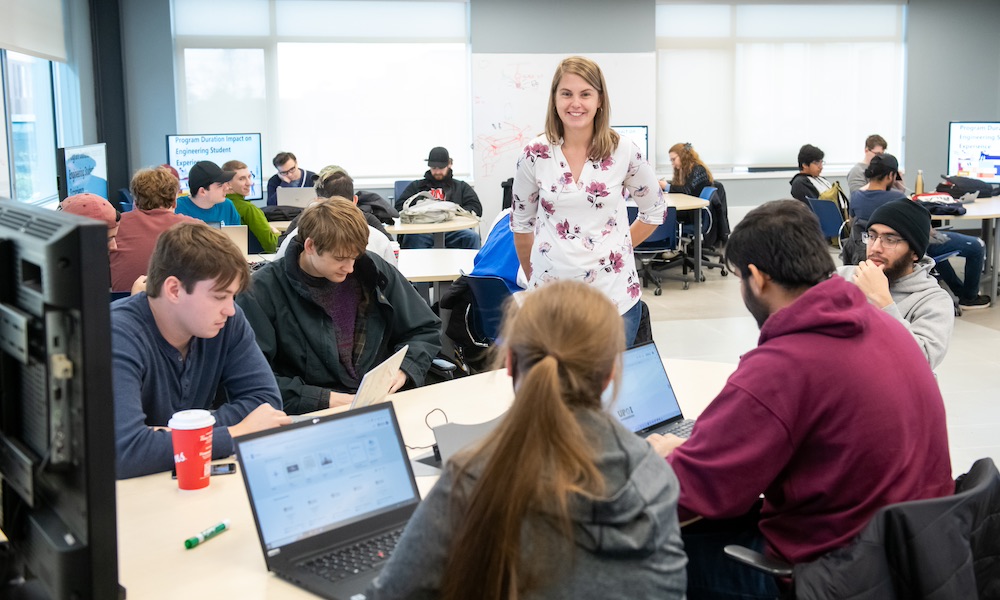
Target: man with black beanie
896, 276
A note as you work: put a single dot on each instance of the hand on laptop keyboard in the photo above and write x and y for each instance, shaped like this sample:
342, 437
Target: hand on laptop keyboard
664, 444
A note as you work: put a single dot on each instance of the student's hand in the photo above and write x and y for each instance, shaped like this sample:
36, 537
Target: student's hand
871, 280
663, 184
263, 417
139, 285
340, 399
664, 445
398, 382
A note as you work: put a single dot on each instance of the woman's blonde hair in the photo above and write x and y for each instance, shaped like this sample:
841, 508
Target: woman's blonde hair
564, 343
689, 158
605, 139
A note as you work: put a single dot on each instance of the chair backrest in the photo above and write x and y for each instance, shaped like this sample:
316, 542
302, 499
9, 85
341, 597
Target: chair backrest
508, 192
489, 293
664, 237
125, 200
399, 186
830, 218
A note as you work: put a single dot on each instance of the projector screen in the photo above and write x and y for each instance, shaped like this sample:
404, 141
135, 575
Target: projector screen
183, 151
974, 150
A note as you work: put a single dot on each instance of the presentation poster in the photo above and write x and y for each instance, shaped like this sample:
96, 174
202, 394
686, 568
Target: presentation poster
183, 151
974, 150
86, 170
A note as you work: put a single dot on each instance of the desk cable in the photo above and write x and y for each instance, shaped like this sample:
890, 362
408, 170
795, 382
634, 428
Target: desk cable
427, 423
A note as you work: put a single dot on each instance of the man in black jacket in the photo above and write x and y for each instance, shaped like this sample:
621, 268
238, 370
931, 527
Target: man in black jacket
440, 182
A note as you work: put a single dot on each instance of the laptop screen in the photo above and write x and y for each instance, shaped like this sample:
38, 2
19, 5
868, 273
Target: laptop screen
316, 476
645, 398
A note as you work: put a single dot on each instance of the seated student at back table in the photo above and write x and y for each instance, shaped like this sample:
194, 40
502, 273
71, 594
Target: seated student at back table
155, 194
440, 182
328, 311
95, 207
561, 501
808, 183
208, 202
289, 175
833, 416
184, 344
251, 216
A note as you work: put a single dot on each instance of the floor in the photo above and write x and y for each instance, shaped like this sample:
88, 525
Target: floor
714, 325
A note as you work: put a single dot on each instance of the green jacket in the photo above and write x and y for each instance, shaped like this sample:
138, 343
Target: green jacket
297, 336
256, 222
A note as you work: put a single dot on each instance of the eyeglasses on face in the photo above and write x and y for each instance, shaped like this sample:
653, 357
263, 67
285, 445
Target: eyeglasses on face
888, 240
288, 171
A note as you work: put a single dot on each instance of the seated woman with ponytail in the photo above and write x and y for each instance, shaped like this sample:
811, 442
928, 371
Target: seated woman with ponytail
561, 501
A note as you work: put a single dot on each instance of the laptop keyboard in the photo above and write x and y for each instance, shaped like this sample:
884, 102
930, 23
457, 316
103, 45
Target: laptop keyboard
351, 560
681, 429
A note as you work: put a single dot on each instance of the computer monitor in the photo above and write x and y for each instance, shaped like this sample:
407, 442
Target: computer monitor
183, 151
638, 134
57, 454
82, 169
974, 150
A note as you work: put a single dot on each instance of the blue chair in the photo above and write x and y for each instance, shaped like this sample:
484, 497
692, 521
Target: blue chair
398, 187
831, 220
489, 294
664, 238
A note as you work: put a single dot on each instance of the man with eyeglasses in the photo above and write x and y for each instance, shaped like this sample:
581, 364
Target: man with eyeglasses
896, 276
808, 183
874, 146
289, 175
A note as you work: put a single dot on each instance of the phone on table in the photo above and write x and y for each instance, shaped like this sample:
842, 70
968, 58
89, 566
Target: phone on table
219, 469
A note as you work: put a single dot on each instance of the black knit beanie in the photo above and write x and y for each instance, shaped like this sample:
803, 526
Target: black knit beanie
910, 220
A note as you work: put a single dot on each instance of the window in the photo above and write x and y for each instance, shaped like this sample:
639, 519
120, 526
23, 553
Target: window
31, 114
748, 84
371, 86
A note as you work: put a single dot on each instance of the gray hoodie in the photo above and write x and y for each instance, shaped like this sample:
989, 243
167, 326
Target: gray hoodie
921, 305
627, 545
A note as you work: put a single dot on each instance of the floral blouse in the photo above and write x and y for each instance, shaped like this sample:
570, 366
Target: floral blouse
581, 227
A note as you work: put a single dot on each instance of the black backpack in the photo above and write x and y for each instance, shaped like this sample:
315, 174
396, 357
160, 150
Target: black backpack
957, 187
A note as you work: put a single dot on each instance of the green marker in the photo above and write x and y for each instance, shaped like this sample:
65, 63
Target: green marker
206, 535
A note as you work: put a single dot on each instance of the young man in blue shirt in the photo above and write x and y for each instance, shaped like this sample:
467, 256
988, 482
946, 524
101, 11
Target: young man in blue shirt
208, 202
184, 344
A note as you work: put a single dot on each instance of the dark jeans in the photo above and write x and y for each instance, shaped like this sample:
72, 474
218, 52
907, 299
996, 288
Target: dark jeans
464, 238
714, 576
631, 319
971, 249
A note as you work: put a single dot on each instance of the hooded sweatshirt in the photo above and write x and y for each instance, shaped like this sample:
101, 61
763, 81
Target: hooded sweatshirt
834, 415
806, 186
922, 306
626, 545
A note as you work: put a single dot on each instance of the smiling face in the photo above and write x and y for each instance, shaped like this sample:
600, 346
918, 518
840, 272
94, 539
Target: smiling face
576, 102
241, 182
204, 312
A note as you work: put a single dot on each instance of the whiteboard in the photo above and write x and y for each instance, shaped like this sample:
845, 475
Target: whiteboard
510, 93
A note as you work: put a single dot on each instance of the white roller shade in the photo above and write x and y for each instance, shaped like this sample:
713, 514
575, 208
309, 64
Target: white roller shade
33, 27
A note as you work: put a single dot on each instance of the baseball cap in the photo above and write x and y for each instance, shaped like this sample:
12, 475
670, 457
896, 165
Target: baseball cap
204, 173
93, 207
438, 158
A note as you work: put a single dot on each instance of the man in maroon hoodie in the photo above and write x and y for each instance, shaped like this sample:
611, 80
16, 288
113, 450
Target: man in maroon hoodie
834, 415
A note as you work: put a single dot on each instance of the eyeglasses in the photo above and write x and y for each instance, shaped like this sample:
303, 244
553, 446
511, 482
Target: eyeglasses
888, 240
289, 171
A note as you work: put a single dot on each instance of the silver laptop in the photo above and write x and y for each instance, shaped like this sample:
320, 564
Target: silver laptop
646, 403
240, 236
325, 490
296, 196
375, 384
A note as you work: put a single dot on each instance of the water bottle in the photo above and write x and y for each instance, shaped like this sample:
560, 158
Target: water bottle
918, 188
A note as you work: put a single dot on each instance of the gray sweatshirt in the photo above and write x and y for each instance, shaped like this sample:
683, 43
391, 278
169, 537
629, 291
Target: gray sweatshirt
627, 545
922, 306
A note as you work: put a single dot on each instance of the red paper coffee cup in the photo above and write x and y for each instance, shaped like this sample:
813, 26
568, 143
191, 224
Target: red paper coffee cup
192, 435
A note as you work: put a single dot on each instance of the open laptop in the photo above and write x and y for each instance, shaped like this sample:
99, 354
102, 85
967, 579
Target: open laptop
646, 403
296, 196
240, 236
321, 488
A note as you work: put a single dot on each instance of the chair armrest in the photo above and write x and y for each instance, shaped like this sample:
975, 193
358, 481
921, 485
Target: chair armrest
752, 558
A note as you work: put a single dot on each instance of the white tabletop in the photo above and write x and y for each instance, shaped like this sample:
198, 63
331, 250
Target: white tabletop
454, 224
154, 517
435, 264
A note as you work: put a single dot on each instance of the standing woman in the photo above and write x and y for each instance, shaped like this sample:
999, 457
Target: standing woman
560, 501
691, 175
568, 215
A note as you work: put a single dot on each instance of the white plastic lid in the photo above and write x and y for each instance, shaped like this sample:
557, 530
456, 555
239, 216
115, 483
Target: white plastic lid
191, 419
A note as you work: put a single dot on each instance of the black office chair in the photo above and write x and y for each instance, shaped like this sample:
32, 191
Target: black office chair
934, 272
937, 548
710, 233
663, 239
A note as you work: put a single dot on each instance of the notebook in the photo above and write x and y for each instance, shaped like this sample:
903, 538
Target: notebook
296, 196
646, 402
321, 488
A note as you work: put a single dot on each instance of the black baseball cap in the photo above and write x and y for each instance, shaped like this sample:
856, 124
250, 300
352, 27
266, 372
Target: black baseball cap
438, 158
204, 173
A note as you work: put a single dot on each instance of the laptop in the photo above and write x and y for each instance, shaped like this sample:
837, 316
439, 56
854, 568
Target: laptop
239, 235
326, 489
296, 196
374, 386
646, 403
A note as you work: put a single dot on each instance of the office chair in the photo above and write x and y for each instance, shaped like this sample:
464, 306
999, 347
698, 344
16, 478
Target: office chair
486, 312
125, 200
935, 548
399, 187
663, 239
938, 260
707, 225
831, 220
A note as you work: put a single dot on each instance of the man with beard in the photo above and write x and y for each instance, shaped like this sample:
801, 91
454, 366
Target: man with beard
896, 276
440, 182
833, 416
